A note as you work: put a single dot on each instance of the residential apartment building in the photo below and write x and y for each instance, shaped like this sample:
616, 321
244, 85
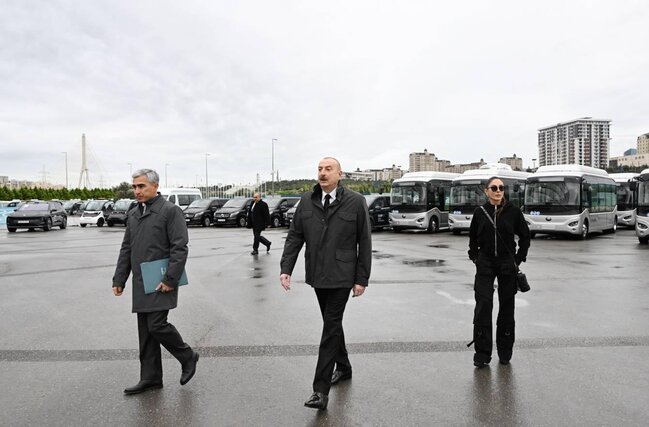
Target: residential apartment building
385, 174
516, 163
427, 162
639, 159
583, 141
643, 144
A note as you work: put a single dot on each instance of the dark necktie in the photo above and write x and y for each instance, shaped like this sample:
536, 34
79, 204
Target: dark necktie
326, 203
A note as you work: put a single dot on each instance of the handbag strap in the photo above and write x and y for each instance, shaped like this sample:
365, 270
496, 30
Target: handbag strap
501, 238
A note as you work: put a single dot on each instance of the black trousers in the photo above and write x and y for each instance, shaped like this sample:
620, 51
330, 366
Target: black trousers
154, 330
332, 353
488, 268
259, 238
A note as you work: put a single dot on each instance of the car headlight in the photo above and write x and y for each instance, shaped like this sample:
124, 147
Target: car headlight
420, 220
573, 223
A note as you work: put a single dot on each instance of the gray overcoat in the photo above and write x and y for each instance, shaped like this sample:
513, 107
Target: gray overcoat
159, 233
338, 246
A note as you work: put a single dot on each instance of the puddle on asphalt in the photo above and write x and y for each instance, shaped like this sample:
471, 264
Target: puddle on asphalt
424, 262
381, 256
438, 246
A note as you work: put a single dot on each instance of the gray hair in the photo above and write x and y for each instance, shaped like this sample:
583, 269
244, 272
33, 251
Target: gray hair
151, 175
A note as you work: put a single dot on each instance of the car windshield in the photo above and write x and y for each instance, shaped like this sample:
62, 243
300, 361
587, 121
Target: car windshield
69, 204
34, 207
370, 199
200, 203
272, 203
122, 205
235, 203
94, 205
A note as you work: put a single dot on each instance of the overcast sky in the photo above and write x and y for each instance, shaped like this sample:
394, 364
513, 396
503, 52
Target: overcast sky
152, 83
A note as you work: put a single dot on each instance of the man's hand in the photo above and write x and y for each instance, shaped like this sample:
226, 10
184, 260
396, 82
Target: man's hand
117, 291
164, 288
358, 290
285, 280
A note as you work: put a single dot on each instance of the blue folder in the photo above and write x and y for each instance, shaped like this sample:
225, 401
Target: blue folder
154, 271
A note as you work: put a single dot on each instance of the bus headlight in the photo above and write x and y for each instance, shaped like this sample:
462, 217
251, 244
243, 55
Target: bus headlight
642, 226
573, 224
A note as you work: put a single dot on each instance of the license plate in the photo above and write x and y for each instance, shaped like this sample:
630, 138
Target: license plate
23, 222
220, 220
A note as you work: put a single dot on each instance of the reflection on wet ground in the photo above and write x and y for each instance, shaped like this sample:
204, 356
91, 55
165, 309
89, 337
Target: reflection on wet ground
424, 262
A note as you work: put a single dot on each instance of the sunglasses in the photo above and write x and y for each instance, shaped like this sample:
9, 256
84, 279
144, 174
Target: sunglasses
495, 188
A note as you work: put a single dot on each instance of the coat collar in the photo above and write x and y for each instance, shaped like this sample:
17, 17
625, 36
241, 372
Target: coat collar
317, 196
152, 205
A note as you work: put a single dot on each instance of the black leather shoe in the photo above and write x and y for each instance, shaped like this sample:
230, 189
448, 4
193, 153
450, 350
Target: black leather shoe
189, 369
143, 386
504, 361
339, 376
480, 364
268, 248
317, 401
254, 253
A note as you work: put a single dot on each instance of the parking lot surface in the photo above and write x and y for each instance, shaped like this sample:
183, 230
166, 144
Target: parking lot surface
68, 347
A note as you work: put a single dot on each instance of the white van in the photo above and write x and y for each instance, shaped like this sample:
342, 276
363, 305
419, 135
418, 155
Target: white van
182, 197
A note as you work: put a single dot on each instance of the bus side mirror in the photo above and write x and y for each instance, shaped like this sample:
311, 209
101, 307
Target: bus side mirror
517, 187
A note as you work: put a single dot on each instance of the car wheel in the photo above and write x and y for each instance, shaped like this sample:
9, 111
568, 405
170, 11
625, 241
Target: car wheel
82, 225
532, 235
205, 222
584, 231
48, 224
433, 225
100, 222
276, 222
64, 224
241, 221
397, 229
456, 232
11, 229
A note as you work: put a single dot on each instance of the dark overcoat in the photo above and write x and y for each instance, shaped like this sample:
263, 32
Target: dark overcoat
338, 245
159, 233
259, 217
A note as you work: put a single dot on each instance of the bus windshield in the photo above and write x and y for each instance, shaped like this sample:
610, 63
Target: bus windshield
468, 193
625, 197
408, 193
557, 195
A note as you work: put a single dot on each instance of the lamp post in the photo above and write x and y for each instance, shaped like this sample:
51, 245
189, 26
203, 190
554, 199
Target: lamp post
166, 184
66, 168
207, 185
272, 159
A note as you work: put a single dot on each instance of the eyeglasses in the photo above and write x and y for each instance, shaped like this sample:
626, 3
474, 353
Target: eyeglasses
495, 188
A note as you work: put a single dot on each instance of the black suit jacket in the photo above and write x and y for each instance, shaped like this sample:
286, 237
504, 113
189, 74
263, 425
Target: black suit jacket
259, 217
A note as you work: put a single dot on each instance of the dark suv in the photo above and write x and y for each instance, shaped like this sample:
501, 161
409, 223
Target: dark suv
120, 208
233, 212
37, 214
379, 208
278, 206
201, 211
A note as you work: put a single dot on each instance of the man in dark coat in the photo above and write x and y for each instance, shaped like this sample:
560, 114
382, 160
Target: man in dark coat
335, 225
259, 219
155, 230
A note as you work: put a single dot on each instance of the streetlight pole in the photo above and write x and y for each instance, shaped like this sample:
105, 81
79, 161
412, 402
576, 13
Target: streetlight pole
273, 163
66, 168
207, 185
166, 184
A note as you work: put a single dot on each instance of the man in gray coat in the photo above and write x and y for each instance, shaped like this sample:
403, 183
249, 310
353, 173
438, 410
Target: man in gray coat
155, 230
334, 223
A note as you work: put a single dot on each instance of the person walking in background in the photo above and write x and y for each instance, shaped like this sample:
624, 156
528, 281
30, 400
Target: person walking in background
155, 230
492, 248
259, 220
334, 223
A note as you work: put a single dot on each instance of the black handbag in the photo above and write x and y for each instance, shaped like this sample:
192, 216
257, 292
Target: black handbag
521, 279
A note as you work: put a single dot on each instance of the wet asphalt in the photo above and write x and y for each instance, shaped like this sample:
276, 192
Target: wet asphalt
68, 347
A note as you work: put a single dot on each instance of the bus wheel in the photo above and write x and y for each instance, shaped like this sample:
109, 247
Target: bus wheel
584, 231
642, 240
433, 225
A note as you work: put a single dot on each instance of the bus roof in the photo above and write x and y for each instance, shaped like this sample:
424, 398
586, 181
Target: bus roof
569, 170
426, 176
624, 177
644, 175
492, 169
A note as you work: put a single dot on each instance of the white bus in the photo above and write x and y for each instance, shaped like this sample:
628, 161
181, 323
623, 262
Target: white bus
467, 192
182, 197
627, 197
419, 200
570, 199
642, 217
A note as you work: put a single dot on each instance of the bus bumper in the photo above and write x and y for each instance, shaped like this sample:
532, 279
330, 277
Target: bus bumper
554, 225
459, 222
417, 221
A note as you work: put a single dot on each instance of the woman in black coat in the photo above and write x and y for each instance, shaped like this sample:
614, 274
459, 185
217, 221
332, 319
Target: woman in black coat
492, 248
